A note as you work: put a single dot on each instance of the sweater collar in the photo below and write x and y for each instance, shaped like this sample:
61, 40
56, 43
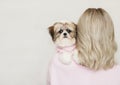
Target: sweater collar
66, 48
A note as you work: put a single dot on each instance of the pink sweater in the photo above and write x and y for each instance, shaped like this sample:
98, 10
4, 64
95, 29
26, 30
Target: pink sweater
74, 74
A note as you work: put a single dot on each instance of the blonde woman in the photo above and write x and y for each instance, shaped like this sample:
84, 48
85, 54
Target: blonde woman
96, 49
95, 40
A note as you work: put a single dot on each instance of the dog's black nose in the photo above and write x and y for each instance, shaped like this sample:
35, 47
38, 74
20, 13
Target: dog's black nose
64, 34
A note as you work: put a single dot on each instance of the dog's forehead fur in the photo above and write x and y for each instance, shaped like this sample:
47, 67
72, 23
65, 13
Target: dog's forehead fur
64, 25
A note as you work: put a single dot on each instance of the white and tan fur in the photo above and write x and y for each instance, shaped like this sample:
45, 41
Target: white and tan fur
64, 36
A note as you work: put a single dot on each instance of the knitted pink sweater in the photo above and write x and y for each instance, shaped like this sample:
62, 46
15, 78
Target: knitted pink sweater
74, 74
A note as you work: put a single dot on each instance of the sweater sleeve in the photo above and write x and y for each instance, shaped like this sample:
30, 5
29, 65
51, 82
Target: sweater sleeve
50, 74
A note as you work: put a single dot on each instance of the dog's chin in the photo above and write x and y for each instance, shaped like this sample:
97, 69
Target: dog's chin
65, 42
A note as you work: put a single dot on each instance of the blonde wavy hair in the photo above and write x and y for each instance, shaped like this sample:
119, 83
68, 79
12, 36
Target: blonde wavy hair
95, 39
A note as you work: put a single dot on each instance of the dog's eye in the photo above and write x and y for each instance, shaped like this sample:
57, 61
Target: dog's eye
60, 31
68, 30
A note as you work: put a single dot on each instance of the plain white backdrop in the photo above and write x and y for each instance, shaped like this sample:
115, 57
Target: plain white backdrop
25, 45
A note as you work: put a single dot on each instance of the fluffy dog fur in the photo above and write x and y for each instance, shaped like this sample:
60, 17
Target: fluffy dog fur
64, 36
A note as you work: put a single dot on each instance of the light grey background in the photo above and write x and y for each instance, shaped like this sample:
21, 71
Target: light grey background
25, 45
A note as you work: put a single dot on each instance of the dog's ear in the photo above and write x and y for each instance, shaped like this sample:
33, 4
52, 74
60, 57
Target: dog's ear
51, 31
75, 25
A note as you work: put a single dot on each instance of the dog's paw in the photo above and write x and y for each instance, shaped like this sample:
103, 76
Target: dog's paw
75, 57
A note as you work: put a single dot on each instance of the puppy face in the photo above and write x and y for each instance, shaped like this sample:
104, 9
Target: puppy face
63, 33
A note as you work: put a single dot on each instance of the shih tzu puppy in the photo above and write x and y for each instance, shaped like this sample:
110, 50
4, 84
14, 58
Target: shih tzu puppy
64, 36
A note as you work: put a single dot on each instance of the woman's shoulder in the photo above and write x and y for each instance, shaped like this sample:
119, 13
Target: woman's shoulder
116, 67
115, 70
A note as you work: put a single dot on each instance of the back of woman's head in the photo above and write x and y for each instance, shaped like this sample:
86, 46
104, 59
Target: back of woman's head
95, 41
